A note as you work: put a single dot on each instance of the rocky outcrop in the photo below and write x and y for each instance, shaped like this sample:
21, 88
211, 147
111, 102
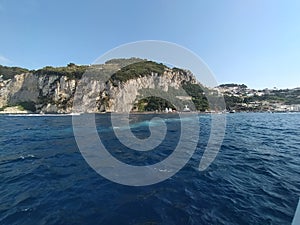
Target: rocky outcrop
22, 88
50, 94
122, 99
14, 110
56, 93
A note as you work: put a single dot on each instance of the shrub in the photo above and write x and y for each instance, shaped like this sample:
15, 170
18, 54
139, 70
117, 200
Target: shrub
198, 98
10, 72
71, 71
137, 70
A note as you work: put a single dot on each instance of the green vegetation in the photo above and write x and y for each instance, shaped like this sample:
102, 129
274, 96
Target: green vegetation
10, 72
199, 101
267, 97
231, 101
175, 69
237, 96
288, 96
144, 68
154, 103
260, 102
197, 94
30, 106
122, 62
22, 106
234, 85
137, 70
71, 71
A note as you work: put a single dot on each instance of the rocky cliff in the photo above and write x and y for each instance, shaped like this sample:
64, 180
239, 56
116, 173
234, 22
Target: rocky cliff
104, 88
48, 94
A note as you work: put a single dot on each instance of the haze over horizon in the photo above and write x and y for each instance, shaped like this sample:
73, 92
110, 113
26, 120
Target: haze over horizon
256, 43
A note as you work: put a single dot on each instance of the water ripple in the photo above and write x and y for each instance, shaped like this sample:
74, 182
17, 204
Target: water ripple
254, 179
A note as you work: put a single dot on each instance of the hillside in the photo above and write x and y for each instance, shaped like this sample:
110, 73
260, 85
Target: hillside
9, 72
116, 86
241, 98
129, 85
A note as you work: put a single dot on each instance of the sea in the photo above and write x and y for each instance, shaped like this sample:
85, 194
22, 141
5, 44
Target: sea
254, 179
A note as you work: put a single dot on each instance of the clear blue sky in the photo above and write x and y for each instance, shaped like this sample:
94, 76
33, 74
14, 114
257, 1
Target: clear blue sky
256, 42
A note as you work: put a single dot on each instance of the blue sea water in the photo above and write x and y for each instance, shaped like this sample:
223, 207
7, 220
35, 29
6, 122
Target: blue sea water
254, 179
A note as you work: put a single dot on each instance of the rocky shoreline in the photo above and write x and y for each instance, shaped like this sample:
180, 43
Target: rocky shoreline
14, 110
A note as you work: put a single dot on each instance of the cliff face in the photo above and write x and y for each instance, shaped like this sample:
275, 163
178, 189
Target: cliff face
21, 88
55, 93
122, 98
50, 94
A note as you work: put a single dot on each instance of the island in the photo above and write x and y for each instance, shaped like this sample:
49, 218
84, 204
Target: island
136, 85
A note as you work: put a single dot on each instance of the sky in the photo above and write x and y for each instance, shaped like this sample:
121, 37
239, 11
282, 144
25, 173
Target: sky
255, 42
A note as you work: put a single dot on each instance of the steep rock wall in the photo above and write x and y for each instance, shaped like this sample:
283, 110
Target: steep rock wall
55, 94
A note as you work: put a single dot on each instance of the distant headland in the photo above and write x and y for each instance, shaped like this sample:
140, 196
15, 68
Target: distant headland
122, 85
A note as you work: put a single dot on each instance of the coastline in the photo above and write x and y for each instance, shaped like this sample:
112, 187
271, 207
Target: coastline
16, 111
